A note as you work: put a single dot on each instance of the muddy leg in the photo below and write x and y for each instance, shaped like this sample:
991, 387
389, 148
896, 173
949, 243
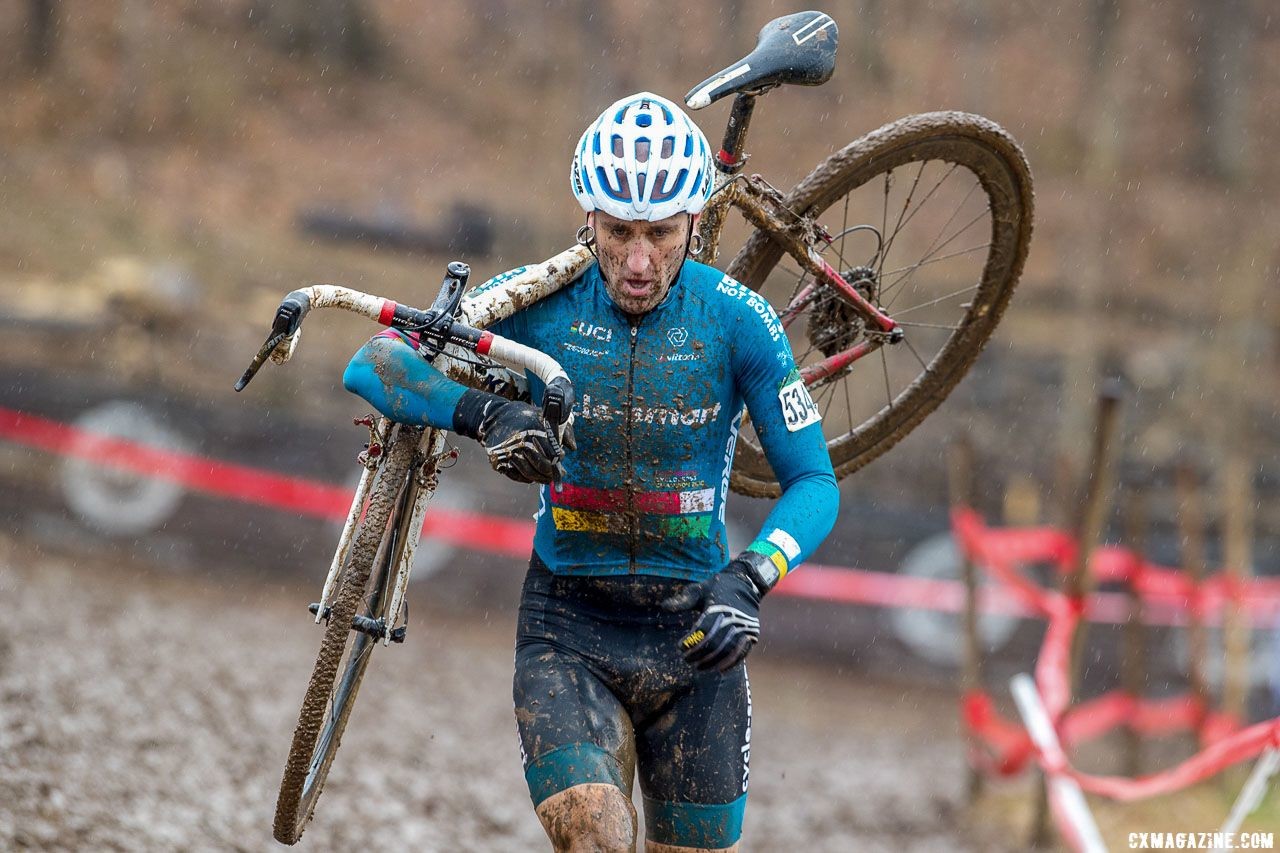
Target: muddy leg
589, 818
654, 847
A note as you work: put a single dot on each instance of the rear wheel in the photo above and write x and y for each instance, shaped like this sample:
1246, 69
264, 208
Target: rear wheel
930, 219
345, 652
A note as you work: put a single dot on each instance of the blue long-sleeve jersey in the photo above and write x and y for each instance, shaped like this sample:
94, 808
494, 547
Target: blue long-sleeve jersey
660, 403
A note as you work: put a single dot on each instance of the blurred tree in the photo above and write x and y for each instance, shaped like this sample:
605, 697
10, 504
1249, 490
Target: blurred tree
42, 33
1221, 45
868, 31
341, 31
602, 81
1101, 117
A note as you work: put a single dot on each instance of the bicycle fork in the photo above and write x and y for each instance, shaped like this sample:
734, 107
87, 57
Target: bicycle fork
423, 481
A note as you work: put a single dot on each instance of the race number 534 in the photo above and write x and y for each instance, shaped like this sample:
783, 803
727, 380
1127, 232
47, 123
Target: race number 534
798, 410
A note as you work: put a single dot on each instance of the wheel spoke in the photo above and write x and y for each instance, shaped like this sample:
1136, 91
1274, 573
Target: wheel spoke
932, 302
930, 326
884, 365
933, 246
924, 263
844, 231
848, 404
920, 205
897, 226
916, 354
969, 225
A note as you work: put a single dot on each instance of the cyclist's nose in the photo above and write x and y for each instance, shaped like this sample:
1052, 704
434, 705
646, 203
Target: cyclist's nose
638, 257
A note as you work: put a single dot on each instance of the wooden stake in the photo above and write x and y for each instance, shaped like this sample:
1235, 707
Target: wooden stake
1191, 528
1238, 554
1093, 515
1133, 664
1089, 527
960, 486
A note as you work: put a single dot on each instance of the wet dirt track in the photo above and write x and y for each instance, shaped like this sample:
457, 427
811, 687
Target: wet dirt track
154, 713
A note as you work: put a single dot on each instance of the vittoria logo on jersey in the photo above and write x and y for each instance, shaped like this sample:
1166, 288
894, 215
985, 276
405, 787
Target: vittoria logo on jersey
590, 330
678, 337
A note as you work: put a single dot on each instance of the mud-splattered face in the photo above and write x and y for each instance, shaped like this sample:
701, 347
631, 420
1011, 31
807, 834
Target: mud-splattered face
640, 260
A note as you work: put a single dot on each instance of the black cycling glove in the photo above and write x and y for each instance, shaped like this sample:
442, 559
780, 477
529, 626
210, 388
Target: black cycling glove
520, 442
729, 601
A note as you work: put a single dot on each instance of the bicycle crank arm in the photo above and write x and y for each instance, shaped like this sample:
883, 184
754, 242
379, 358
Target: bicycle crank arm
376, 628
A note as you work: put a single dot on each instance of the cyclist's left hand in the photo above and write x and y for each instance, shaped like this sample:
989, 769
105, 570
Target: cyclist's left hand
729, 617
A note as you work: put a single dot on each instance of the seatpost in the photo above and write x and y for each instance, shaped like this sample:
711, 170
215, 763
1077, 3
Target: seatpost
731, 159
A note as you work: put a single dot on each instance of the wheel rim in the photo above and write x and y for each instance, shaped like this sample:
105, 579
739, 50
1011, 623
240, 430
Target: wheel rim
950, 214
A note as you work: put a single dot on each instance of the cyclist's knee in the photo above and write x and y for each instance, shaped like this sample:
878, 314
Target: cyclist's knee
592, 816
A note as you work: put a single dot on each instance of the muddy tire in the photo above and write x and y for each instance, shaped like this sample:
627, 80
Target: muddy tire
330, 697
970, 286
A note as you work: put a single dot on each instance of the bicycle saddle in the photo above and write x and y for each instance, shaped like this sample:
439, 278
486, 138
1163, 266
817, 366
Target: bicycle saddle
799, 48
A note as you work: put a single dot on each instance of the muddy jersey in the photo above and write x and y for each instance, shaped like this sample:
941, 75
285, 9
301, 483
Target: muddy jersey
659, 405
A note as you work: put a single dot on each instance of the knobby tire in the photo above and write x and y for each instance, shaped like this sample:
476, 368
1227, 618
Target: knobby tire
989, 153
297, 799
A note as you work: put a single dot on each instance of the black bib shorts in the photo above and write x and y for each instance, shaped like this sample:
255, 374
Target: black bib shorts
602, 692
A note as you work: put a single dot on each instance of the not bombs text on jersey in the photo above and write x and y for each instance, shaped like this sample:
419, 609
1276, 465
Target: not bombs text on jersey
755, 302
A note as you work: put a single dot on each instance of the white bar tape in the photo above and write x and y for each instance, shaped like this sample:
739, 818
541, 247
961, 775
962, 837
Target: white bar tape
333, 296
1067, 792
521, 357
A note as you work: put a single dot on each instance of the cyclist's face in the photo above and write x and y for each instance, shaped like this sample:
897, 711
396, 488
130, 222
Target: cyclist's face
640, 260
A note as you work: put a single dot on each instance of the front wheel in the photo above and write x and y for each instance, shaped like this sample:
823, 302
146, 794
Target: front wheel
344, 652
930, 219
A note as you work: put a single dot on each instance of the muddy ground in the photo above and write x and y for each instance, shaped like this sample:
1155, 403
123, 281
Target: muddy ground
150, 710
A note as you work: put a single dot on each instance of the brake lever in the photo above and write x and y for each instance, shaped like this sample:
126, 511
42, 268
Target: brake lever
261, 358
557, 408
286, 322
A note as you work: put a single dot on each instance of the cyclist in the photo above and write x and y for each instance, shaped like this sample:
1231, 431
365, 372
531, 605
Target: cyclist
634, 619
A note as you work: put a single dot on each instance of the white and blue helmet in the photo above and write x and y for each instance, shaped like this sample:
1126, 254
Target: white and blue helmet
643, 159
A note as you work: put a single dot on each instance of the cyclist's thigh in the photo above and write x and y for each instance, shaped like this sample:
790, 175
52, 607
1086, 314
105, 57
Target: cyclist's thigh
694, 760
573, 728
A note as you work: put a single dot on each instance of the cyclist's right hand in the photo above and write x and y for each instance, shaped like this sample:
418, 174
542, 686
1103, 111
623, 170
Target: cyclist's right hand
520, 442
